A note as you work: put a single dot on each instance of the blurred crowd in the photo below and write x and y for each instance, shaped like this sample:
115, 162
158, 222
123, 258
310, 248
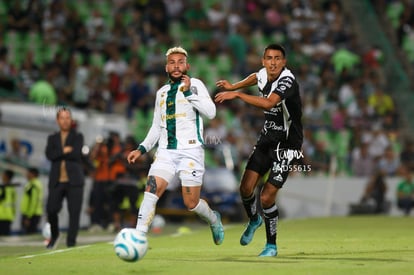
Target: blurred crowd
115, 195
400, 15
109, 56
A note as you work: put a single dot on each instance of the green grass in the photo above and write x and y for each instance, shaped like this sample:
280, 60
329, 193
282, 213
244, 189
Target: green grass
346, 245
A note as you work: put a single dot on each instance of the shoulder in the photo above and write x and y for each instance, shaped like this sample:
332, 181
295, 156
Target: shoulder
261, 74
261, 77
53, 135
76, 133
286, 73
196, 81
164, 88
198, 87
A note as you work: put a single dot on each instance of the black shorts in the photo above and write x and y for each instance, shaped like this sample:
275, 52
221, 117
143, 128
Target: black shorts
275, 159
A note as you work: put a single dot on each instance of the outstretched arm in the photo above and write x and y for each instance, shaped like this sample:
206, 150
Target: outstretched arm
265, 103
248, 81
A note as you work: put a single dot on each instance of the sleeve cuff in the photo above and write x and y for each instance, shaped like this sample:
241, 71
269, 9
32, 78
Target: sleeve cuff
187, 93
141, 149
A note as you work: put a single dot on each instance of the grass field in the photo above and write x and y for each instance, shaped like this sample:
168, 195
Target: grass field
345, 245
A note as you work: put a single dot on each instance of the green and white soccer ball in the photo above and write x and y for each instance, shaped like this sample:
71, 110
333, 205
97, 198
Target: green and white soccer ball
130, 245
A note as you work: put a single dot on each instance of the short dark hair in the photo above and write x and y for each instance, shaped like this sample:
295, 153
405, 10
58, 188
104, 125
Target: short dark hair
34, 171
9, 174
276, 47
62, 109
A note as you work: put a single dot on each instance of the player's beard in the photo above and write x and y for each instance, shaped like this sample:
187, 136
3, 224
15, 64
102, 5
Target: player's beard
176, 79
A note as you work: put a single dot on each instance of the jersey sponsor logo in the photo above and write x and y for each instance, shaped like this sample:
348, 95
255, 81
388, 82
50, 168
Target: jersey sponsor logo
287, 83
271, 125
284, 84
173, 116
192, 141
276, 109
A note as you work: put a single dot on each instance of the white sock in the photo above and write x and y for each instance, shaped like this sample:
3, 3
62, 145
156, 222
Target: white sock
146, 212
204, 211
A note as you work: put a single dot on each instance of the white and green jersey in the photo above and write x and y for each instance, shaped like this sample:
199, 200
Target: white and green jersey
177, 122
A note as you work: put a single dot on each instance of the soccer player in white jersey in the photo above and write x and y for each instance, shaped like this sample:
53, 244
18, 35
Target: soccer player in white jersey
177, 127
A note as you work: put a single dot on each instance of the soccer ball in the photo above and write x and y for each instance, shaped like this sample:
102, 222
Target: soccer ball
130, 245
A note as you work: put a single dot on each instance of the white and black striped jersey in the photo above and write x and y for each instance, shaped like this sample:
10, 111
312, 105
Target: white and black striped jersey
283, 122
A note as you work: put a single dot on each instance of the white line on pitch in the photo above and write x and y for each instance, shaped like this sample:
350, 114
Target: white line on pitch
52, 252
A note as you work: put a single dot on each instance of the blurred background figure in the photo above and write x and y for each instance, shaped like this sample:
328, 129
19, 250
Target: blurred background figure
125, 190
375, 192
405, 191
99, 197
7, 203
31, 205
19, 154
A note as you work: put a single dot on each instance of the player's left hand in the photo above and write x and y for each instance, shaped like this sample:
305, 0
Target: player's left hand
185, 80
223, 96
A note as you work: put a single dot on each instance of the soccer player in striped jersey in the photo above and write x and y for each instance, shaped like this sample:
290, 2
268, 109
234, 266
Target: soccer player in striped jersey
177, 127
279, 142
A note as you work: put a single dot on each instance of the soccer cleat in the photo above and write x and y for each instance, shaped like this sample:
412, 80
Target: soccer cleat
53, 243
270, 250
217, 230
248, 233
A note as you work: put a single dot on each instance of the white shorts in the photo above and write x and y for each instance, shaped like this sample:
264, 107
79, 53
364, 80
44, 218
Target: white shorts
187, 164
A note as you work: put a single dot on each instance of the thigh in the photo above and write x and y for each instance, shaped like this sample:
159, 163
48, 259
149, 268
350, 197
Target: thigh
282, 158
190, 166
163, 165
259, 161
55, 198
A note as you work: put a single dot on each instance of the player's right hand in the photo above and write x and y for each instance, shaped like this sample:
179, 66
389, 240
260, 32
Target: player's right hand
224, 84
133, 156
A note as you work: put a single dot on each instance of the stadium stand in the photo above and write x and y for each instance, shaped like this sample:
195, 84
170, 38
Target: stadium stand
339, 56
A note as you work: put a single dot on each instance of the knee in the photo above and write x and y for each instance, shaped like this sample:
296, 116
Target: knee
267, 199
245, 190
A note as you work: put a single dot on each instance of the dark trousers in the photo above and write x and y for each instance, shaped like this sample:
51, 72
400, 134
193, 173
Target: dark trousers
30, 228
74, 198
5, 227
99, 203
406, 204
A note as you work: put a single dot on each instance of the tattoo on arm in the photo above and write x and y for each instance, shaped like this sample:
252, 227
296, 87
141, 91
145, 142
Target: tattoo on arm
151, 185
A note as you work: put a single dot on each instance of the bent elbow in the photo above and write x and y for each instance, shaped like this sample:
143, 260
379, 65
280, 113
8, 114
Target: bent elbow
268, 106
211, 114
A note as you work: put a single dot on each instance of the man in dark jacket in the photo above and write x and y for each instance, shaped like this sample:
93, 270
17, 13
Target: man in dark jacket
66, 178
